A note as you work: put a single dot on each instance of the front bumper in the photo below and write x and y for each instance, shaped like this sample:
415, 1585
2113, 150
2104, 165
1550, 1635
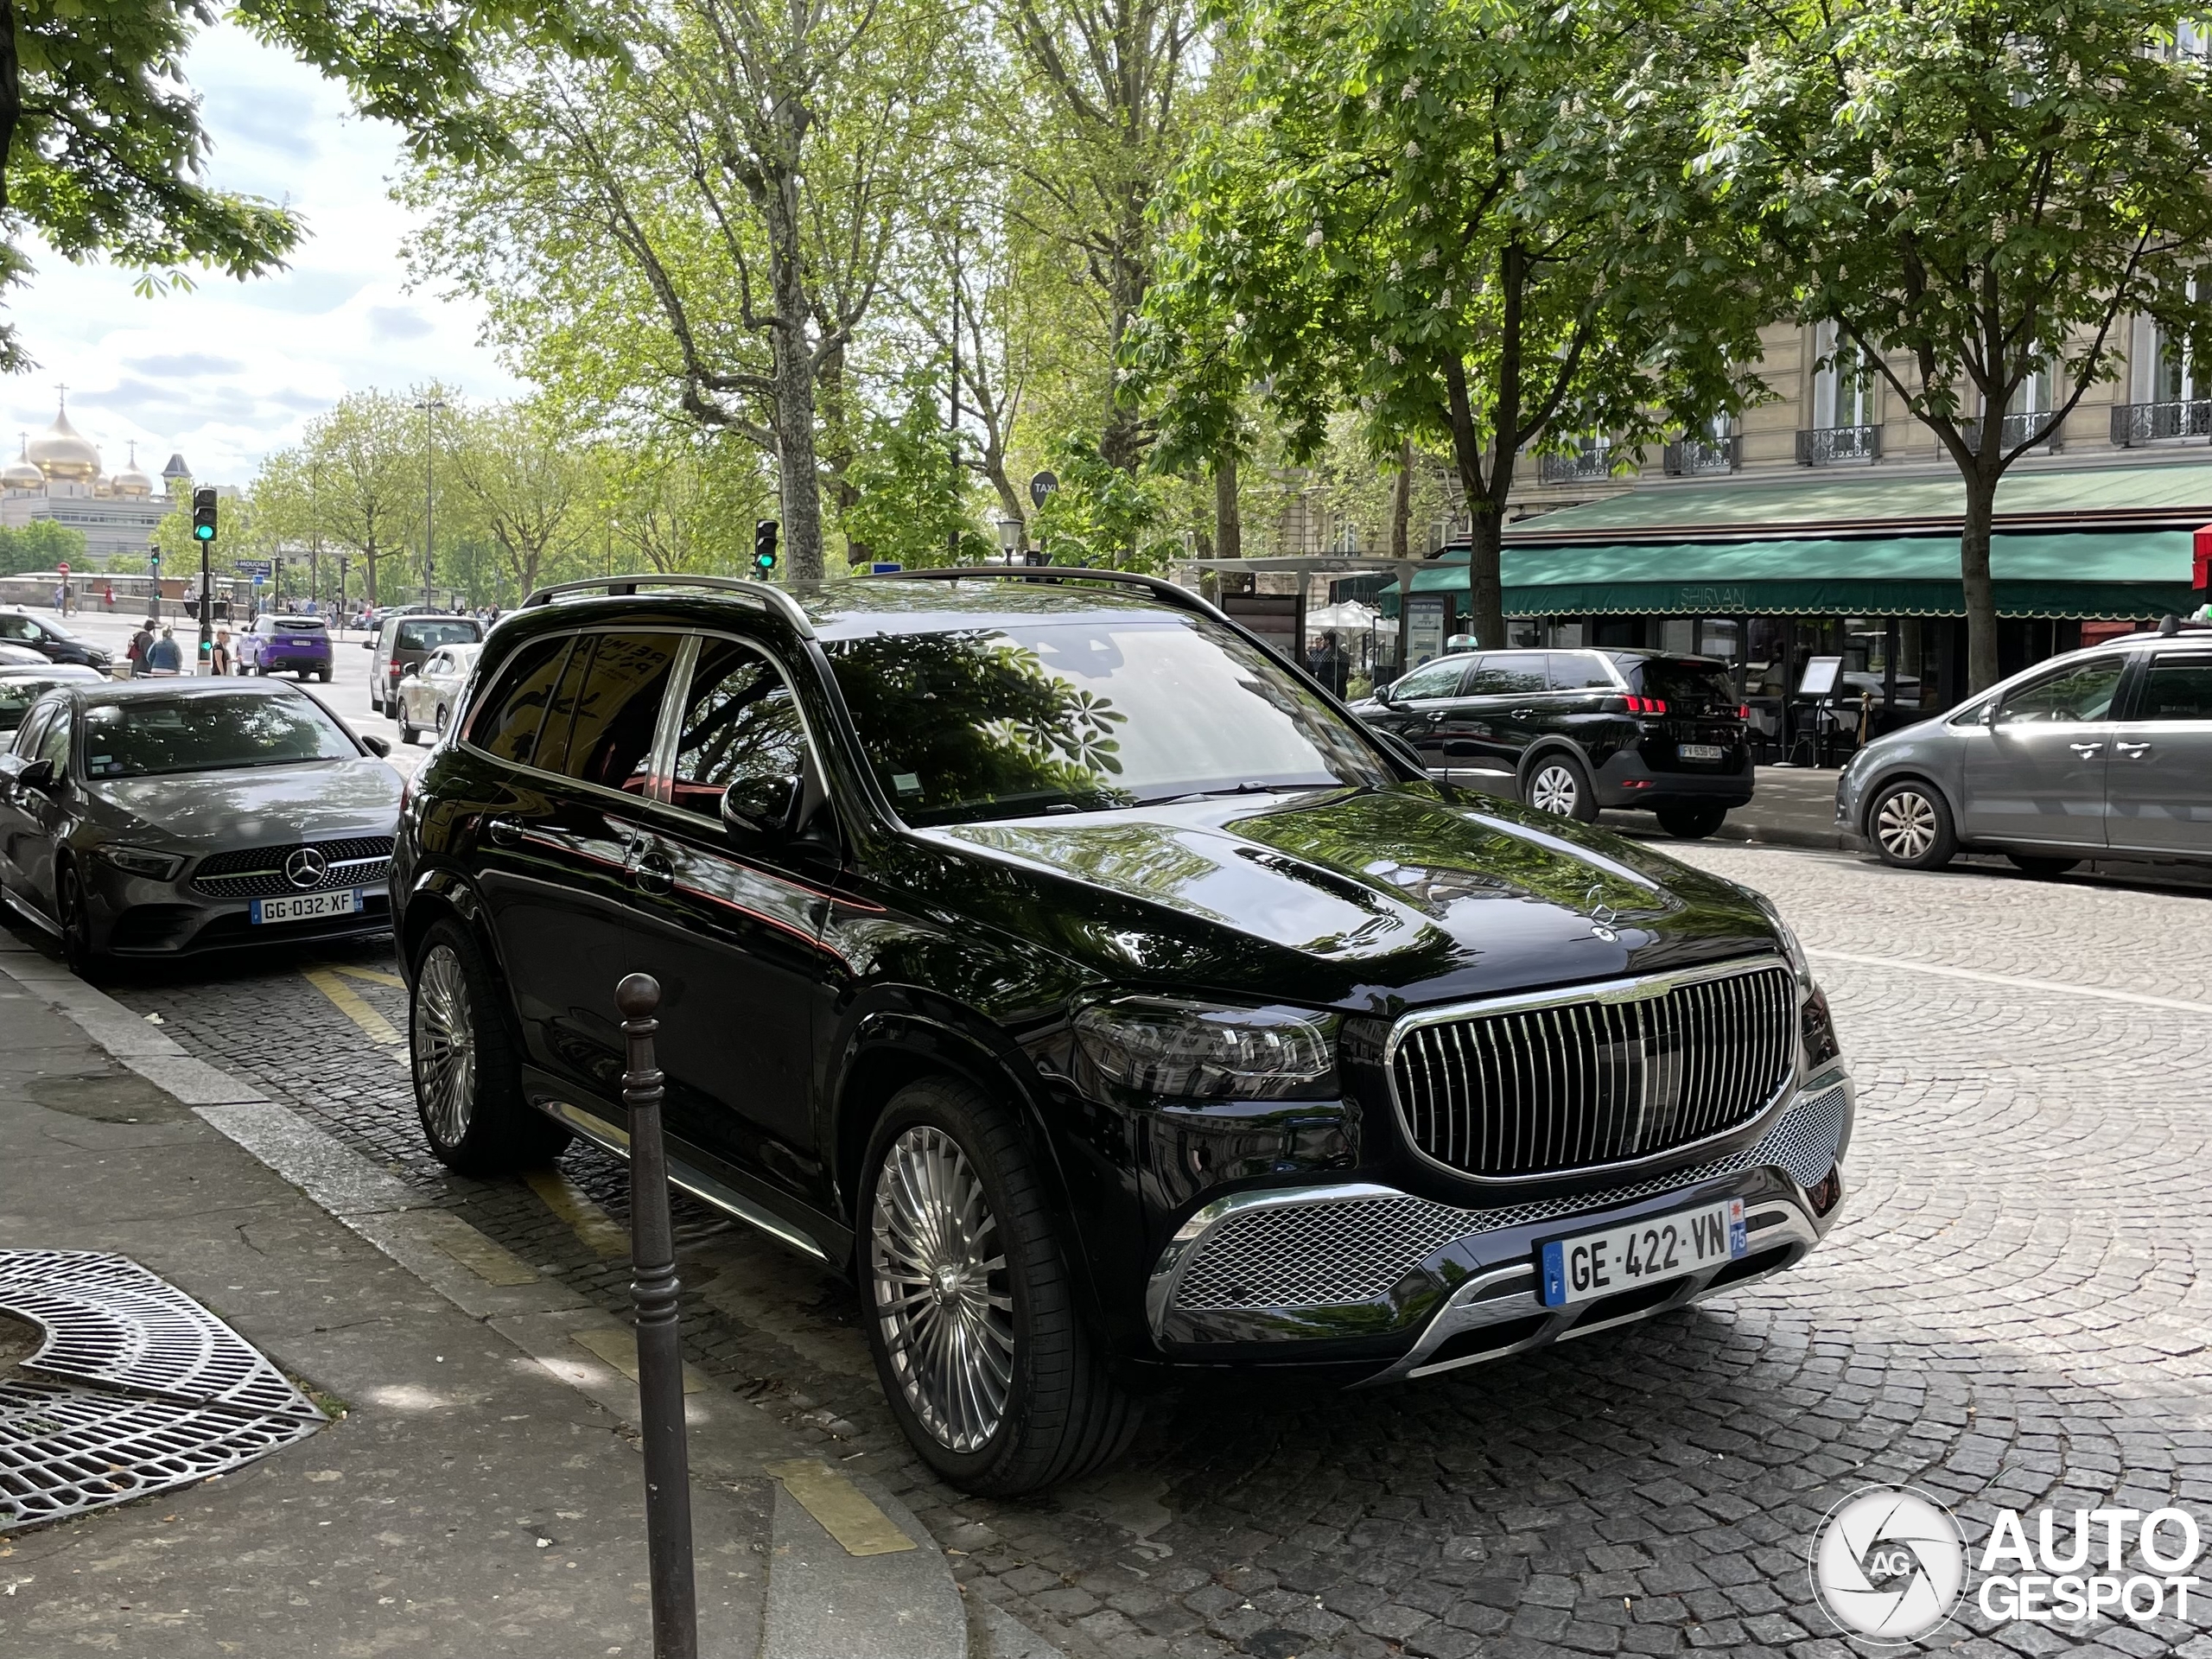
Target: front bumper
1362, 1271
138, 917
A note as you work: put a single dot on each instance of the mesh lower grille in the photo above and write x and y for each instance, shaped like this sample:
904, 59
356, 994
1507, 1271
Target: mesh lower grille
1327, 1253
1577, 1085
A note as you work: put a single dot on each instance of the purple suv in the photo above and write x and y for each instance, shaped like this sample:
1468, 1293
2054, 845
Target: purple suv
277, 644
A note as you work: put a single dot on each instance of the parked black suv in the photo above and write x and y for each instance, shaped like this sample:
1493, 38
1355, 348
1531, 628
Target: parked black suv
1571, 731
50, 639
1046, 953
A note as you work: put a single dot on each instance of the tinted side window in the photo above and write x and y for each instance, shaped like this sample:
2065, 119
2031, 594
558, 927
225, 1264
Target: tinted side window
1507, 674
53, 741
1438, 679
600, 727
2082, 692
741, 730
506, 721
33, 728
2178, 687
1574, 671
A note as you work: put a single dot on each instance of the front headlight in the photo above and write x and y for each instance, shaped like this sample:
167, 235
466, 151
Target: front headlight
1197, 1051
143, 860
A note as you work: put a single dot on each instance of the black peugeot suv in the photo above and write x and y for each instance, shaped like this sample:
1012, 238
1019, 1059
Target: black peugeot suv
1570, 732
1044, 953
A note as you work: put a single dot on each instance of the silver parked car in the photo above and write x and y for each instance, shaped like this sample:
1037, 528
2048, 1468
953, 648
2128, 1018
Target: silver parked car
2102, 753
156, 818
431, 690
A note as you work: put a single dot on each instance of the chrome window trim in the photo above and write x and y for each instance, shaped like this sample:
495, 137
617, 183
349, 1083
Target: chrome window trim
1640, 988
664, 740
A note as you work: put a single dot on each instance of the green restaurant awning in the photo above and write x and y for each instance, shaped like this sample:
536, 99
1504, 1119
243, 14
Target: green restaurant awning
2126, 575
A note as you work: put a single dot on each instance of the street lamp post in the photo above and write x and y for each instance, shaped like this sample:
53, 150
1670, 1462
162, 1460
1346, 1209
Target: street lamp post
1010, 540
429, 406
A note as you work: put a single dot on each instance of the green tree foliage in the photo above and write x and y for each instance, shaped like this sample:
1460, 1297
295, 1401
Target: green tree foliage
102, 153
1101, 514
911, 501
1466, 218
1977, 195
699, 230
526, 485
41, 545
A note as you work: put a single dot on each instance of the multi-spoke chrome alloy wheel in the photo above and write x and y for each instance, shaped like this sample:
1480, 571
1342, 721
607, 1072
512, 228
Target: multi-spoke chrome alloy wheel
1555, 789
1906, 825
445, 1046
940, 1289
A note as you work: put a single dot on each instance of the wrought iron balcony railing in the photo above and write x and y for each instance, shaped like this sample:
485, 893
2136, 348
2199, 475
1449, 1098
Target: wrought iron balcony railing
1578, 467
2135, 423
1686, 457
1826, 446
2016, 430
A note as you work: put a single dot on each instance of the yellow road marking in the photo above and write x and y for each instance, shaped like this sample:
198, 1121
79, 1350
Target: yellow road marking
348, 1002
844, 1510
586, 1219
619, 1348
369, 974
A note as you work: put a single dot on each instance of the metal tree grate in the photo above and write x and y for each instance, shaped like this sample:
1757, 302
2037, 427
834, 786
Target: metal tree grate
136, 1389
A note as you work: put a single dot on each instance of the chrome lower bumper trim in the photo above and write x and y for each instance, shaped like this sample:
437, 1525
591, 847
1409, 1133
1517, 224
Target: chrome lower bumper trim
1511, 1293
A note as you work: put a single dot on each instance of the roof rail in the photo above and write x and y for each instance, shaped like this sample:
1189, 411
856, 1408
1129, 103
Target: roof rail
1158, 586
765, 596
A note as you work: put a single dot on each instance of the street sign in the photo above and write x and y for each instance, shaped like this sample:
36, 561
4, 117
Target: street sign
885, 567
63, 567
257, 569
1040, 487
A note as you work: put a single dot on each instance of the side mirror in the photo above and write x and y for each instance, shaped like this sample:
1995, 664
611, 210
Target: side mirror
1989, 712
369, 644
1383, 692
379, 746
410, 670
761, 807
39, 775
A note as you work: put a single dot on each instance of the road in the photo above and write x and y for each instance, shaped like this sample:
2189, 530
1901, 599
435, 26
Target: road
2014, 1312
346, 695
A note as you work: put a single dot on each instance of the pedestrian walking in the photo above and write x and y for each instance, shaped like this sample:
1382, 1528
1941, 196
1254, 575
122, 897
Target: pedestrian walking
219, 661
107, 597
141, 643
165, 656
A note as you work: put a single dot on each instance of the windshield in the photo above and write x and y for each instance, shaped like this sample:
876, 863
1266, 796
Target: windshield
146, 736
428, 636
999, 722
15, 699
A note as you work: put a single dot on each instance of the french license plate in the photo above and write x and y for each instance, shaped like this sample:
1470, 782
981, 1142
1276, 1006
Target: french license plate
1586, 1266
308, 907
1699, 751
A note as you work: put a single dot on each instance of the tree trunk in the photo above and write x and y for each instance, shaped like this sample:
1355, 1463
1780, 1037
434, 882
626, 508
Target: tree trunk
1228, 514
797, 485
1485, 581
1981, 593
369, 581
1402, 508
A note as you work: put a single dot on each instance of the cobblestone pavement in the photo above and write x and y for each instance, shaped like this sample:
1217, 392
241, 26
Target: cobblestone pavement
2013, 1314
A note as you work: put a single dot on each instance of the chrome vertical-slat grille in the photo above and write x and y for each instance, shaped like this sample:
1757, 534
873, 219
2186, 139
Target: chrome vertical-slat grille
1597, 1080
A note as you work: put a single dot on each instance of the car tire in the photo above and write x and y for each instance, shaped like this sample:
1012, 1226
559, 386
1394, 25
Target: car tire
1692, 820
2040, 867
74, 917
323, 674
440, 728
408, 734
467, 1077
1032, 1404
1559, 784
1909, 824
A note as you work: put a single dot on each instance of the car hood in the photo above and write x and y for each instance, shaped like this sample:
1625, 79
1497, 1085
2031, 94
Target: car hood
1373, 899
252, 806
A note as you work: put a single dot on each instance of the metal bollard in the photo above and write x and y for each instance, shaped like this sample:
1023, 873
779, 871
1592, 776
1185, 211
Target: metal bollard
653, 1294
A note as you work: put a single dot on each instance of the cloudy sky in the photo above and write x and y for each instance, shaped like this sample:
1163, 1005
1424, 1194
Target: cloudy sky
233, 370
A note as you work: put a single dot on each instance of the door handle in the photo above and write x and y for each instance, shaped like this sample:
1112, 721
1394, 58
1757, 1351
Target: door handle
653, 872
1524, 714
2132, 751
505, 832
1434, 717
2085, 750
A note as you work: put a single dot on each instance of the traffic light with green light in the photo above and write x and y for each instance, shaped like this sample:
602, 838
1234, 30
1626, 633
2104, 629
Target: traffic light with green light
763, 547
203, 515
